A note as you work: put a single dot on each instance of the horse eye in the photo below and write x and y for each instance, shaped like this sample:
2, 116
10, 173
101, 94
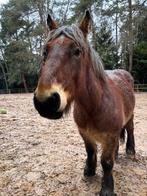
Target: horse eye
77, 52
45, 52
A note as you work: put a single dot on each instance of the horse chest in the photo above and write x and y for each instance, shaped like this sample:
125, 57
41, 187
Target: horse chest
99, 123
95, 135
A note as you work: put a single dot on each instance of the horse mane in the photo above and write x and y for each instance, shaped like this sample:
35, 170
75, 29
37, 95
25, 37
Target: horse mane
97, 64
74, 33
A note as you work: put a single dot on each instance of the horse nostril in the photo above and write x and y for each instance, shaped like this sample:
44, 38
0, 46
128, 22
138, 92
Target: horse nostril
53, 102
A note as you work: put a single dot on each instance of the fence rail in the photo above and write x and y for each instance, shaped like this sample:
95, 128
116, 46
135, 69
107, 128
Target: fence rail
137, 88
140, 87
16, 90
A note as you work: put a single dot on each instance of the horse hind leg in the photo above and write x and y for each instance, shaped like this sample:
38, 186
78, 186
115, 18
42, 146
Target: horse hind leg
91, 161
122, 141
122, 136
130, 145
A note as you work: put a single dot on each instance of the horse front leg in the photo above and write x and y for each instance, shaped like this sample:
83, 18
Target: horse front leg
107, 162
91, 149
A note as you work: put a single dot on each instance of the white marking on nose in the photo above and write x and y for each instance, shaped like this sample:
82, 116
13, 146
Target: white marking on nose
63, 100
43, 93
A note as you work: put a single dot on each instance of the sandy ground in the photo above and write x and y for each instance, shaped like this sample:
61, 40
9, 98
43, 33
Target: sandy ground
43, 157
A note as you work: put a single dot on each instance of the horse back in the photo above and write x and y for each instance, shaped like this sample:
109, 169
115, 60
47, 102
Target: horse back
124, 83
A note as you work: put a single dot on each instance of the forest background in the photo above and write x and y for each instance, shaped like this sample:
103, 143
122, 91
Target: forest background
119, 34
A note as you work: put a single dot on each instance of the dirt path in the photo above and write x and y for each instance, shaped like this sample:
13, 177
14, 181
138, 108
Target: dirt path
42, 157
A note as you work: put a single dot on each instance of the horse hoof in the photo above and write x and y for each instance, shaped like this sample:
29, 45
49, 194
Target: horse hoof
130, 153
105, 192
89, 172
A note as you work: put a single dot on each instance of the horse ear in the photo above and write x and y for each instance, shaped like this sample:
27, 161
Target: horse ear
85, 24
51, 23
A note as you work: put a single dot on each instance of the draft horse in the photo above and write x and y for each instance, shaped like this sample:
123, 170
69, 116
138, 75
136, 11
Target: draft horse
104, 101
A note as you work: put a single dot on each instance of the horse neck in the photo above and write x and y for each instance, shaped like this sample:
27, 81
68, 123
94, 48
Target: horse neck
89, 89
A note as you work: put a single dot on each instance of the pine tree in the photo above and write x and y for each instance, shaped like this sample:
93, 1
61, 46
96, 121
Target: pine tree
23, 33
140, 53
105, 46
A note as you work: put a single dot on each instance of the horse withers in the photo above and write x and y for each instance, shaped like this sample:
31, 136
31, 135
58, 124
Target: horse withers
104, 101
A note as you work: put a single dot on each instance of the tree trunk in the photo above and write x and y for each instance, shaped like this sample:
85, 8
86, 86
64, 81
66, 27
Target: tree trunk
64, 17
4, 71
116, 30
116, 23
5, 78
130, 44
42, 15
24, 82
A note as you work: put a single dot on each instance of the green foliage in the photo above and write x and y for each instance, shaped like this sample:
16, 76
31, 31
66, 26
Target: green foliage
142, 35
140, 63
19, 59
23, 31
21, 49
82, 5
12, 19
140, 53
105, 45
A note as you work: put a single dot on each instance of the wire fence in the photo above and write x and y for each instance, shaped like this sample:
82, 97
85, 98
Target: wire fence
137, 88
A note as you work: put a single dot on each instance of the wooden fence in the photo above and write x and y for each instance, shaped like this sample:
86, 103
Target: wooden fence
140, 87
15, 90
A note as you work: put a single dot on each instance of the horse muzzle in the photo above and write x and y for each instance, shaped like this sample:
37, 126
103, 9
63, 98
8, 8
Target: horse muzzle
49, 108
50, 103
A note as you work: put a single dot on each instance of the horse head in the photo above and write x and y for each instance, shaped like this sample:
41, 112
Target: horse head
63, 56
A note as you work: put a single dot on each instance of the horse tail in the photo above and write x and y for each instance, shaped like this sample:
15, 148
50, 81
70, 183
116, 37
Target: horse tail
122, 136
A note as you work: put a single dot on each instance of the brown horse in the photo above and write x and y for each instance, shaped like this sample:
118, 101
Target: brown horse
103, 100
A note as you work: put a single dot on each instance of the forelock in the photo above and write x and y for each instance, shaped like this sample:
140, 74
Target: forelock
73, 32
